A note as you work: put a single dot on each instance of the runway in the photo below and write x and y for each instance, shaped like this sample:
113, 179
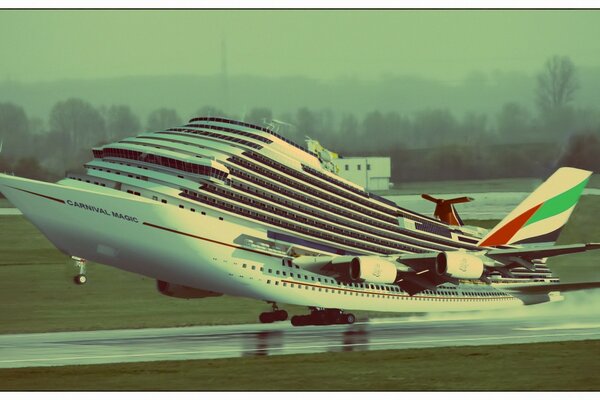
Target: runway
577, 318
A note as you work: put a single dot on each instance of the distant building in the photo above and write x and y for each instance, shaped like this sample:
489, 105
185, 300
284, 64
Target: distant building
373, 173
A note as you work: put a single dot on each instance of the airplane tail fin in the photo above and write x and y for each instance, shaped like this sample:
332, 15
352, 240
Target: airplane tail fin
541, 216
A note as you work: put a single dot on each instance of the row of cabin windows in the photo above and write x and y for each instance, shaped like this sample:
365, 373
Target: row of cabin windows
322, 205
387, 233
326, 187
396, 212
88, 181
447, 292
313, 222
428, 226
278, 222
281, 167
260, 128
142, 178
340, 183
308, 189
348, 235
160, 160
342, 291
290, 171
231, 130
213, 135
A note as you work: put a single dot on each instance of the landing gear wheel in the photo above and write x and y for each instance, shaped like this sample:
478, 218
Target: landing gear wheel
266, 317
80, 263
281, 315
349, 319
301, 320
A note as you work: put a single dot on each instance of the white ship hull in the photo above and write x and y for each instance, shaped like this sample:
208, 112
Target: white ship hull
167, 243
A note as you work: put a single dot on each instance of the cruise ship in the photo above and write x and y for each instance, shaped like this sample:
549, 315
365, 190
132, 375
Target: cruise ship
218, 206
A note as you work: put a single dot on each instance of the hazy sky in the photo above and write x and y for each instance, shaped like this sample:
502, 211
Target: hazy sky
445, 45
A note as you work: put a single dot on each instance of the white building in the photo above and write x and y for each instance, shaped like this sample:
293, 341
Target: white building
373, 173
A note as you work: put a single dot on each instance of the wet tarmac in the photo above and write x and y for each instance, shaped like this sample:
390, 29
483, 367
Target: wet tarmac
577, 318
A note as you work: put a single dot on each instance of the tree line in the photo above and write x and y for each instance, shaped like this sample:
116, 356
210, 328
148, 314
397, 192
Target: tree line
429, 144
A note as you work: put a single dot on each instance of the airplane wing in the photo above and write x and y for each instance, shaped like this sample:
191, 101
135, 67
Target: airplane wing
536, 252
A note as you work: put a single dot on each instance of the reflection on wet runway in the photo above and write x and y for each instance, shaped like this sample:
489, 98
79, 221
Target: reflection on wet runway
577, 318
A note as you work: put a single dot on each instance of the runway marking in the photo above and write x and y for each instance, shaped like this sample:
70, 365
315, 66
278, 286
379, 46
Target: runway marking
267, 349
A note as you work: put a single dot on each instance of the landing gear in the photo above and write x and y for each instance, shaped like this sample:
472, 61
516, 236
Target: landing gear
81, 278
272, 316
320, 316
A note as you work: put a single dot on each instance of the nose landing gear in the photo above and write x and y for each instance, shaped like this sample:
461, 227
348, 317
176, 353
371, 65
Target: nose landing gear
81, 278
323, 316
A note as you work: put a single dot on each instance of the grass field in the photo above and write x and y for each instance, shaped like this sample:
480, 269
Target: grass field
38, 294
542, 366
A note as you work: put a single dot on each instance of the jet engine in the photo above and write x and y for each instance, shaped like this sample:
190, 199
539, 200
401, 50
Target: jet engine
372, 269
183, 292
458, 264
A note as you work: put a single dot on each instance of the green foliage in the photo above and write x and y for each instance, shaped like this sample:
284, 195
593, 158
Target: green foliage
258, 116
583, 151
121, 122
557, 84
163, 118
82, 124
14, 132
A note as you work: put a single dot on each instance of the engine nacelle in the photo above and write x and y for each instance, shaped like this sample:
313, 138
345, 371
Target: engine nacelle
459, 265
372, 269
183, 292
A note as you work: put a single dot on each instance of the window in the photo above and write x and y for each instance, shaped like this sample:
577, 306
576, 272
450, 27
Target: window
277, 282
270, 270
192, 210
243, 265
346, 167
277, 272
180, 206
221, 218
358, 167
202, 212
368, 167
268, 281
253, 268
164, 201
